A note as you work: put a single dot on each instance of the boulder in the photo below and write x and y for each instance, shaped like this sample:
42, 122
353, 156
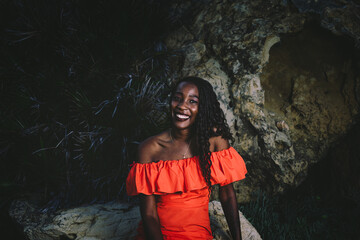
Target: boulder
273, 65
107, 221
220, 228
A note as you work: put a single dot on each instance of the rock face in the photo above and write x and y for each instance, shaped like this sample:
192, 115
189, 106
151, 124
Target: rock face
220, 228
101, 221
105, 222
288, 87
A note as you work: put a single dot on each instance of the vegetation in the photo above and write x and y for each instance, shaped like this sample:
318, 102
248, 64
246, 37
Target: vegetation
82, 82
318, 209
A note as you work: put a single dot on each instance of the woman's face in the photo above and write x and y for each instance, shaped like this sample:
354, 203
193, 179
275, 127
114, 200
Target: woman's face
184, 105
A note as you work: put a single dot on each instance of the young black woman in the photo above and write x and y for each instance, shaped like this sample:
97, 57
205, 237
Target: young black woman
177, 167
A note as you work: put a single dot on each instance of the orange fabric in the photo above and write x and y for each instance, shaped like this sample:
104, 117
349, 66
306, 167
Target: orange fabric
183, 202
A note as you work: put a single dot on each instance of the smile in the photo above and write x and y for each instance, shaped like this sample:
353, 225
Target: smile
182, 116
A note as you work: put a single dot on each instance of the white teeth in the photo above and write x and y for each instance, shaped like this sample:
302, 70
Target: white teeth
182, 116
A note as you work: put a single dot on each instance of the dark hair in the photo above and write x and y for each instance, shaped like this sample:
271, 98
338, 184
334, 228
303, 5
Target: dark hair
210, 121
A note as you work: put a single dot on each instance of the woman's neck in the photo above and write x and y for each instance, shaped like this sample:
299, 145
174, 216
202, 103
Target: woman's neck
181, 134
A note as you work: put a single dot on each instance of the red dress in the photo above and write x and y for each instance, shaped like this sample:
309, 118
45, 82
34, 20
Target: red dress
183, 196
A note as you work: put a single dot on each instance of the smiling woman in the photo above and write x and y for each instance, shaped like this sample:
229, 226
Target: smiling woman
184, 105
177, 167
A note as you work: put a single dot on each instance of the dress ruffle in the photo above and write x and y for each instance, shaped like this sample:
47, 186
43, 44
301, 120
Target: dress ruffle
176, 176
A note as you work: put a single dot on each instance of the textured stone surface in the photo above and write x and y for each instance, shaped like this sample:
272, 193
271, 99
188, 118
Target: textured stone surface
283, 113
220, 228
104, 221
101, 221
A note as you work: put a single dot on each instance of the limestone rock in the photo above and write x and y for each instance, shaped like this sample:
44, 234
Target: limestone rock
341, 17
104, 222
282, 126
284, 112
220, 228
100, 221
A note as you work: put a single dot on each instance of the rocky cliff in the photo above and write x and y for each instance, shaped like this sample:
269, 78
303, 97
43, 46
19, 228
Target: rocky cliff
286, 74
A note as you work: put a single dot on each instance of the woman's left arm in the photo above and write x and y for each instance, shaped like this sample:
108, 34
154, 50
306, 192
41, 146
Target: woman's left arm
227, 194
228, 202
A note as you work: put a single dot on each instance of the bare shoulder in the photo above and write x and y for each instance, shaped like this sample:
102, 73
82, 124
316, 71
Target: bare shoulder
218, 143
149, 147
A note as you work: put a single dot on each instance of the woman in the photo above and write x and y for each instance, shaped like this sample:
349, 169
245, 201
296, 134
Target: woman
176, 168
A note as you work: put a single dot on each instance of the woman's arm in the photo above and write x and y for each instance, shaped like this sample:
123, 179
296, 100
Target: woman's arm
150, 217
227, 194
229, 205
148, 210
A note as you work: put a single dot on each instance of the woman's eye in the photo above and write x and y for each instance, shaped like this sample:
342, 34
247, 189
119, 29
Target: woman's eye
193, 101
175, 98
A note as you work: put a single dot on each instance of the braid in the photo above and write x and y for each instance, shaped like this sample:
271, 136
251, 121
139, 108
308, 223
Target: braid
209, 118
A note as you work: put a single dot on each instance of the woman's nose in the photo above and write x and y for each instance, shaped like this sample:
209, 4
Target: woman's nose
181, 104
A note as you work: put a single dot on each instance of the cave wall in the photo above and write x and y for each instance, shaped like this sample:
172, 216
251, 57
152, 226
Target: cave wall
309, 84
286, 77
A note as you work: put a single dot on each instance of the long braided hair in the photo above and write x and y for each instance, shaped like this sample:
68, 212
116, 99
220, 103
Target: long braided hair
210, 121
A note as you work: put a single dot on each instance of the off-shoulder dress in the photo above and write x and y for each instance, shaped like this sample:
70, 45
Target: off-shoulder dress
183, 196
